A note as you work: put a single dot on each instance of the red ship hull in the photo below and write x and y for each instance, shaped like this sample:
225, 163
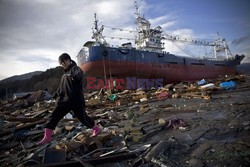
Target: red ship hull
170, 73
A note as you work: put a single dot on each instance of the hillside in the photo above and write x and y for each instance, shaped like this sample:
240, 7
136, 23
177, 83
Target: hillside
20, 77
47, 80
244, 68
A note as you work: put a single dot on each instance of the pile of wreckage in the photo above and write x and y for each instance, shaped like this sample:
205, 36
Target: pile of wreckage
125, 128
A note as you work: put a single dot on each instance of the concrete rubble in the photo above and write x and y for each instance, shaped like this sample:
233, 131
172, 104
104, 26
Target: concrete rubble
184, 124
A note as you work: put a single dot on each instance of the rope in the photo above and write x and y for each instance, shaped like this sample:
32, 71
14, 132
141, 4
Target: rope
121, 38
183, 49
170, 36
104, 69
121, 29
110, 76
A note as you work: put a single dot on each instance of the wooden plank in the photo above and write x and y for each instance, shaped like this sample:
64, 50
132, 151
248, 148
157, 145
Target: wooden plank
39, 113
22, 127
95, 161
26, 120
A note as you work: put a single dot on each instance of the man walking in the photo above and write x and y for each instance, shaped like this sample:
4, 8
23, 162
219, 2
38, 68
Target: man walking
69, 96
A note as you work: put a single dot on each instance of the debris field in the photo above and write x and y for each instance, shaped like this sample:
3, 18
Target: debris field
203, 123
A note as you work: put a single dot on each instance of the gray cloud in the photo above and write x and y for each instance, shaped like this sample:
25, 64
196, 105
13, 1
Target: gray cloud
38, 31
32, 24
241, 40
30, 59
56, 24
246, 52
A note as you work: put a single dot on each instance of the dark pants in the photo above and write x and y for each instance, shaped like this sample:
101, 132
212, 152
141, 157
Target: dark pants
61, 110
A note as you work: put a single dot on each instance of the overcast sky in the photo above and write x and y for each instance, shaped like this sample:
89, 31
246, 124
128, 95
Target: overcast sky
33, 33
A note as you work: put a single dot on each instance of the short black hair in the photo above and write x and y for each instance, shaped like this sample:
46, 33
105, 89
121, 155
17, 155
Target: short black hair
63, 57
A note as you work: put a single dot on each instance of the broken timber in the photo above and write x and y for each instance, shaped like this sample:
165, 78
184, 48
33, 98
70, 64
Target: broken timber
23, 127
95, 161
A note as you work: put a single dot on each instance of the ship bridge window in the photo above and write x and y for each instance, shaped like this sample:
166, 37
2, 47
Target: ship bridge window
160, 55
220, 64
197, 63
171, 62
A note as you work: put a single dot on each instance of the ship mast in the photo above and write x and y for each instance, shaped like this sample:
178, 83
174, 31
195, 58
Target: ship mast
220, 45
147, 38
97, 32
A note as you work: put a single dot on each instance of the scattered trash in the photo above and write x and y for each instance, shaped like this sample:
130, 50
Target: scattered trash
112, 97
162, 121
228, 85
68, 116
175, 123
1, 123
163, 95
208, 86
201, 82
53, 155
143, 99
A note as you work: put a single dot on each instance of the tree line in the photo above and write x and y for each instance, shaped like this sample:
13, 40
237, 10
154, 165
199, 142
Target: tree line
48, 80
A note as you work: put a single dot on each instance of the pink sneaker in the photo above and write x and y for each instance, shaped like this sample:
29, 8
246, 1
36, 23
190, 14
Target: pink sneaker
47, 136
95, 130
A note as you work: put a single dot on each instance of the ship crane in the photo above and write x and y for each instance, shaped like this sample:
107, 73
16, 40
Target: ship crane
219, 45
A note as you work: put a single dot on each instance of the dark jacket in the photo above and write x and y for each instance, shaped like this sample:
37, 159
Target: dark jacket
70, 90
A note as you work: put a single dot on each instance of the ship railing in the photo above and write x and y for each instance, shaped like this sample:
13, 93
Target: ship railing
218, 59
207, 58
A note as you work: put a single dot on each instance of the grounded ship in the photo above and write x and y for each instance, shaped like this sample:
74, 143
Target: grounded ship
149, 59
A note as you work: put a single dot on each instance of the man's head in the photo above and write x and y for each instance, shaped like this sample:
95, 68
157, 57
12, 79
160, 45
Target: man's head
64, 60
